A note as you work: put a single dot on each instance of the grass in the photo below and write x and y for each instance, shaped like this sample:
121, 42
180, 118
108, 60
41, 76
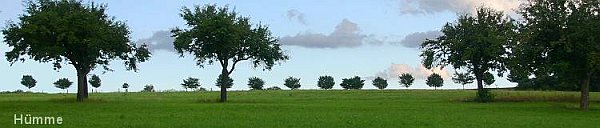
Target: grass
307, 108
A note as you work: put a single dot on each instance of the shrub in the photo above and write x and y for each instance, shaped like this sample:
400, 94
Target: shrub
484, 96
326, 82
380, 83
274, 88
292, 83
255, 83
352, 83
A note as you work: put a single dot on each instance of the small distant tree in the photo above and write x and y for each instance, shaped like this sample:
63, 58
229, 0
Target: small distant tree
380, 83
148, 88
274, 88
225, 81
406, 80
353, 83
256, 83
435, 80
28, 81
95, 82
326, 82
292, 83
125, 86
190, 83
63, 83
488, 79
463, 78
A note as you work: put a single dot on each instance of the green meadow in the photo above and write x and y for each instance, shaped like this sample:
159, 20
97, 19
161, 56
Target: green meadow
307, 108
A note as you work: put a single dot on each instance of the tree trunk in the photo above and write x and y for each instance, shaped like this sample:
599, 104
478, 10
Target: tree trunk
80, 85
85, 86
585, 92
225, 73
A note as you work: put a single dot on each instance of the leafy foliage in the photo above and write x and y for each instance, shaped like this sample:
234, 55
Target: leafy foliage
380, 83
67, 31
148, 88
463, 78
484, 96
63, 83
28, 81
216, 34
477, 43
190, 83
488, 79
435, 80
352, 83
256, 83
325, 82
125, 85
559, 39
225, 81
95, 81
273, 88
292, 83
406, 79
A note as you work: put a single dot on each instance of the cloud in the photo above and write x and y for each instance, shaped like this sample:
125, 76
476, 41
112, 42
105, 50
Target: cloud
420, 72
457, 6
160, 40
346, 35
294, 14
414, 40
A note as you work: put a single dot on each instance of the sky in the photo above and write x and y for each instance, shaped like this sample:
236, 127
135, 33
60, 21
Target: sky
340, 38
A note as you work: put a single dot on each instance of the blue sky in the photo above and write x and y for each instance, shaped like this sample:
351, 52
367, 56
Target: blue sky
341, 38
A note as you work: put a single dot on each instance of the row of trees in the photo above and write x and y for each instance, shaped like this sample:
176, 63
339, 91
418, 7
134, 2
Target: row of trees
63, 83
556, 39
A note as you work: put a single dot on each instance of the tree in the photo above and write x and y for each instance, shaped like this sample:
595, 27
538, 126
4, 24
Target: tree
559, 39
256, 83
380, 83
125, 86
477, 43
63, 83
352, 83
190, 83
67, 31
28, 81
463, 78
488, 79
435, 80
292, 83
326, 82
406, 79
95, 82
148, 88
216, 34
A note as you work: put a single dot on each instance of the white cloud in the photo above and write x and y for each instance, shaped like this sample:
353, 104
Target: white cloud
458, 6
414, 40
160, 40
346, 34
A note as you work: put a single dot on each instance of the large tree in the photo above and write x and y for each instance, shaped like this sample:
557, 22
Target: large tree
216, 34
68, 31
476, 43
559, 39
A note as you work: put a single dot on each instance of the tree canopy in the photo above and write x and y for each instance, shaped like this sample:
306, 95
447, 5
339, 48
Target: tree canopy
463, 78
406, 79
28, 81
477, 43
216, 34
435, 80
69, 31
352, 83
380, 83
255, 83
292, 83
63, 83
325, 82
190, 83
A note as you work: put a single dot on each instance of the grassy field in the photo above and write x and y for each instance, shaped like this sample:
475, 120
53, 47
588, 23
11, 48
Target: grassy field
307, 108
